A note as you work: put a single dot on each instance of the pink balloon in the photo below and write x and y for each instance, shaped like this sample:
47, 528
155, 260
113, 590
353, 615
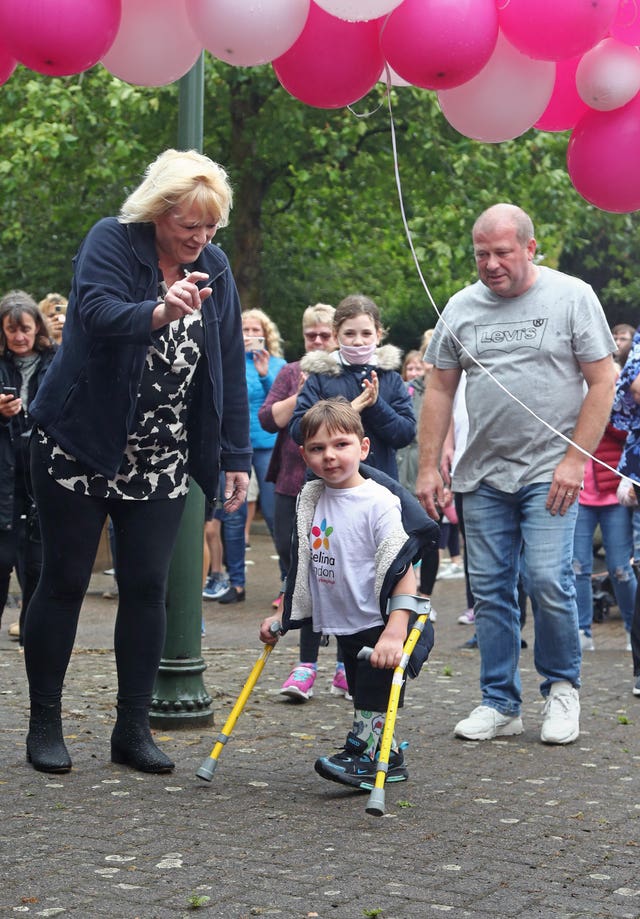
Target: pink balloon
358, 10
603, 156
58, 37
626, 25
247, 34
608, 75
504, 100
333, 62
155, 44
565, 107
553, 30
442, 43
7, 63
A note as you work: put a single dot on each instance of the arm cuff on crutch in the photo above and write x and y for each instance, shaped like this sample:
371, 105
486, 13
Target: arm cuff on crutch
417, 605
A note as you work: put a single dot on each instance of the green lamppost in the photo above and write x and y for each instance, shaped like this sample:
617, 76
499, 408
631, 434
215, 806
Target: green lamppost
179, 695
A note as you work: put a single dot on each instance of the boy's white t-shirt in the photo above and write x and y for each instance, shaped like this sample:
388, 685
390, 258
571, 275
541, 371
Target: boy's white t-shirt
348, 526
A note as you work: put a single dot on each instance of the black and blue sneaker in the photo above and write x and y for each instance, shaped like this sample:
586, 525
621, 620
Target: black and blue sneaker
352, 766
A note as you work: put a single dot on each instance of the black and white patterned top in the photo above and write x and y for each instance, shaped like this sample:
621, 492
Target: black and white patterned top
154, 464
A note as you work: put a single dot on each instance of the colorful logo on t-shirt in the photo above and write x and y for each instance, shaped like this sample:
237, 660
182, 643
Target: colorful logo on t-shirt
321, 534
322, 562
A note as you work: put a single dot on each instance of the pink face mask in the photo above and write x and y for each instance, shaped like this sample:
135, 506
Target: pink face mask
358, 354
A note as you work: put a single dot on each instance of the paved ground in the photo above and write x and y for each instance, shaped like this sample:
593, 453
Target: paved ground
498, 829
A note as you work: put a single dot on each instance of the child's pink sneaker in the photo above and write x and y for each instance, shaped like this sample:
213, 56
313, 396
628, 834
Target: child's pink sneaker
340, 687
299, 683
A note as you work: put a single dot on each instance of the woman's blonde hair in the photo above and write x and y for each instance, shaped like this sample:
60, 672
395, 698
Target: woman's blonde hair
180, 177
272, 339
318, 314
426, 339
55, 301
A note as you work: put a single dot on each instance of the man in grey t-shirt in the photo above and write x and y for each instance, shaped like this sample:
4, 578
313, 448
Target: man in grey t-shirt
532, 341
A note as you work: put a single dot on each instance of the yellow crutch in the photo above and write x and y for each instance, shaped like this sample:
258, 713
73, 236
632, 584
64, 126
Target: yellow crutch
375, 804
208, 767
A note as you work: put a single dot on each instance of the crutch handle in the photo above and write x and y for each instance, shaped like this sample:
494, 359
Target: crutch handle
364, 654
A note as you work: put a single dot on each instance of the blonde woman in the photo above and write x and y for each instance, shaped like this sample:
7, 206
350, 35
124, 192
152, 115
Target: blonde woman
262, 349
147, 390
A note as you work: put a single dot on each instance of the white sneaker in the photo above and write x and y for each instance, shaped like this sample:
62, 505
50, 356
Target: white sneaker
586, 642
468, 617
628, 644
452, 572
561, 714
636, 686
485, 723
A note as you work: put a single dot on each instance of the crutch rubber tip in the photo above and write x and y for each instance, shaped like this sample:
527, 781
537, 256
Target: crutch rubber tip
207, 769
375, 805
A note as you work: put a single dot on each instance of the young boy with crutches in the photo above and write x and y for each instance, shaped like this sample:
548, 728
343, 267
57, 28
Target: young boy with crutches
357, 533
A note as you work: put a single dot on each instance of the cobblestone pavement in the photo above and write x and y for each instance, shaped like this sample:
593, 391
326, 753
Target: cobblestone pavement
496, 829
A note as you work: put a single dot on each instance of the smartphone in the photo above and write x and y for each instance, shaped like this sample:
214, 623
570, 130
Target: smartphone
10, 391
254, 344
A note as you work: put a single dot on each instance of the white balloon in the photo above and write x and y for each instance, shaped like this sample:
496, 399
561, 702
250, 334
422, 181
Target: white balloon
358, 10
502, 101
248, 34
155, 43
608, 76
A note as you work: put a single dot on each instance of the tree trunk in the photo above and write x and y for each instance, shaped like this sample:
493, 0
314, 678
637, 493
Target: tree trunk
250, 185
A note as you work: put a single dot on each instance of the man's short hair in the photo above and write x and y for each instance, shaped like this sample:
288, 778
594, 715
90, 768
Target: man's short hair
336, 414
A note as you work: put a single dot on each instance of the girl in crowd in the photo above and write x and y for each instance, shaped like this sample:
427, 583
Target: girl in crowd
367, 376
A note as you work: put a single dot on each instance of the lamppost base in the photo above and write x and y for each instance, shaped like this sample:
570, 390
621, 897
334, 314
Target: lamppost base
179, 696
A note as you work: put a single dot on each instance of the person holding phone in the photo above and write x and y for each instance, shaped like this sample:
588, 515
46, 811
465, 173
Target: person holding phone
26, 350
263, 360
54, 308
146, 390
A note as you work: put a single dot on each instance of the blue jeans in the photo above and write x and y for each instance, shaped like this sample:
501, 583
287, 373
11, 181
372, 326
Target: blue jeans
499, 529
617, 539
635, 526
261, 460
233, 537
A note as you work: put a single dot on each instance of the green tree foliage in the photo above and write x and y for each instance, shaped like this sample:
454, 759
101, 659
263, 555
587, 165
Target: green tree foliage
317, 212
69, 147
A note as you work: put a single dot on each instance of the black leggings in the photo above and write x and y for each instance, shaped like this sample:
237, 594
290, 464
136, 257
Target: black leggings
71, 525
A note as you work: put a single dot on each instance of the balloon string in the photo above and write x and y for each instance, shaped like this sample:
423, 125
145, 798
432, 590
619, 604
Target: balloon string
371, 112
478, 364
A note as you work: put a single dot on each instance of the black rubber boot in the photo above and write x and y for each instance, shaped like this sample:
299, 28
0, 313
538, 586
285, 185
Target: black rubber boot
46, 750
133, 745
